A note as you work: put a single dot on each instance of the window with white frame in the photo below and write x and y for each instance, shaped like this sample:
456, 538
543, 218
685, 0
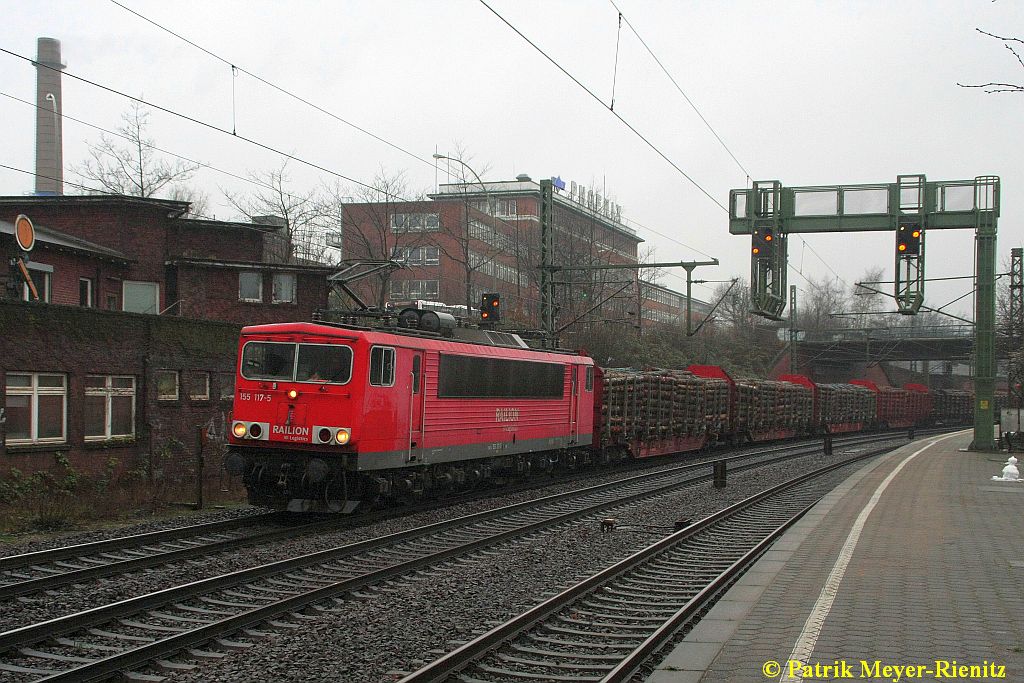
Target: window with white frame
227, 386
84, 291
141, 297
414, 289
167, 385
109, 407
42, 278
284, 288
36, 408
250, 286
402, 223
507, 207
197, 384
417, 256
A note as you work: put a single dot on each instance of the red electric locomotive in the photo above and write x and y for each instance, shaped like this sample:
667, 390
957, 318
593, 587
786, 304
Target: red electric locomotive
326, 416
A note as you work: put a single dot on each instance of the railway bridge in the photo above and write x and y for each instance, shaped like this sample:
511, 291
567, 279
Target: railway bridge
832, 350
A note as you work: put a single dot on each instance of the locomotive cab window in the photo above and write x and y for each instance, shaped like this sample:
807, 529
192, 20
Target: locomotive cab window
382, 366
268, 360
590, 378
324, 363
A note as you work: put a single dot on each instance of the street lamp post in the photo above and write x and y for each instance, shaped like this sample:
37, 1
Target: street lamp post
465, 251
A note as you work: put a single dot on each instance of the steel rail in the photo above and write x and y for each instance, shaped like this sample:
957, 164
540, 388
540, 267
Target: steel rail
72, 551
466, 655
135, 657
106, 566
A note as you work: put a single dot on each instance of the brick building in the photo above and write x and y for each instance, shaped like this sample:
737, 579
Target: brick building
471, 238
132, 342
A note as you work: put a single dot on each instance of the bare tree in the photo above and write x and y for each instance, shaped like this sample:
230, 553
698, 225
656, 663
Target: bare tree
198, 200
131, 166
478, 239
994, 87
300, 215
363, 217
821, 299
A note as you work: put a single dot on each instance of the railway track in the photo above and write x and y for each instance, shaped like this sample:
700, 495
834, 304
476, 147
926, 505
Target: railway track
605, 628
129, 635
48, 570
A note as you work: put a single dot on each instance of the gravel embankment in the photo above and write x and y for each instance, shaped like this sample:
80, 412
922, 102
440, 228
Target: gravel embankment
75, 598
376, 637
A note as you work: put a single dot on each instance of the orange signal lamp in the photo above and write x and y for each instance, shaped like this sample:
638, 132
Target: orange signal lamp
916, 233
756, 250
767, 238
485, 314
902, 247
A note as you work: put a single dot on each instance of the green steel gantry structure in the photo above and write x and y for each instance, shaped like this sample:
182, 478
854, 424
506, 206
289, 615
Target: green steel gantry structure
910, 208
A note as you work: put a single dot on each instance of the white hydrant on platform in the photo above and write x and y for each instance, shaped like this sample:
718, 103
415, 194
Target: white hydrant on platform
1010, 472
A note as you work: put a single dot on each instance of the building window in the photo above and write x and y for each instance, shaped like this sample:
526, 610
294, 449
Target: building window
417, 256
111, 302
109, 407
382, 366
197, 384
227, 386
36, 408
167, 385
141, 297
284, 288
84, 291
250, 286
507, 207
414, 289
402, 223
42, 280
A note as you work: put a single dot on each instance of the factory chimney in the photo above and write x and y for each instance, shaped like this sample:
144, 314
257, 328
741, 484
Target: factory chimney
49, 104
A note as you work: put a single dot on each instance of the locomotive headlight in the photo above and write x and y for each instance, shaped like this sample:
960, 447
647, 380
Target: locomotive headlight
293, 394
239, 429
343, 436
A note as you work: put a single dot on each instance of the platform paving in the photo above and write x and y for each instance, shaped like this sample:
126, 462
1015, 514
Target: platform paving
936, 575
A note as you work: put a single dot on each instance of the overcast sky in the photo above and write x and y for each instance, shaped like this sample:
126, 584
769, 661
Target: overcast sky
807, 93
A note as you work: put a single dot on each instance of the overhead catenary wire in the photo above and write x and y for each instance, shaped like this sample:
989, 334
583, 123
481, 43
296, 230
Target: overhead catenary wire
204, 124
201, 164
622, 120
677, 87
235, 68
233, 133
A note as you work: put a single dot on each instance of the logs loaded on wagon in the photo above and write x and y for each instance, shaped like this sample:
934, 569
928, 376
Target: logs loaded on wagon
660, 411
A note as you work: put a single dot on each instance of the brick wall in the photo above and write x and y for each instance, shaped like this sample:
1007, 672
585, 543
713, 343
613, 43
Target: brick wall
77, 342
207, 292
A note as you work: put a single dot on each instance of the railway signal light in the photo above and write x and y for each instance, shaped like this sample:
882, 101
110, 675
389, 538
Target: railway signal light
908, 239
490, 307
763, 242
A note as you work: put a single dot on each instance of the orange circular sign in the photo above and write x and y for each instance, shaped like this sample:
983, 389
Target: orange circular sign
24, 232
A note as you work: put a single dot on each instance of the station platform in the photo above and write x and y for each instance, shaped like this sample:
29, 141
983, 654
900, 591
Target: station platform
916, 561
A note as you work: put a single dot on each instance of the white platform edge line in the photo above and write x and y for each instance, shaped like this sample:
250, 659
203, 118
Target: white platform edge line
816, 619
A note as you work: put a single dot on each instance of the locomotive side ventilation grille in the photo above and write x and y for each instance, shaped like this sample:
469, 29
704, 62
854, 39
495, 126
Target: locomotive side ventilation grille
505, 339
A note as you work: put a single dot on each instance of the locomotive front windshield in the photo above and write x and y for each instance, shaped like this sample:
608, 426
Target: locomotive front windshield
281, 362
